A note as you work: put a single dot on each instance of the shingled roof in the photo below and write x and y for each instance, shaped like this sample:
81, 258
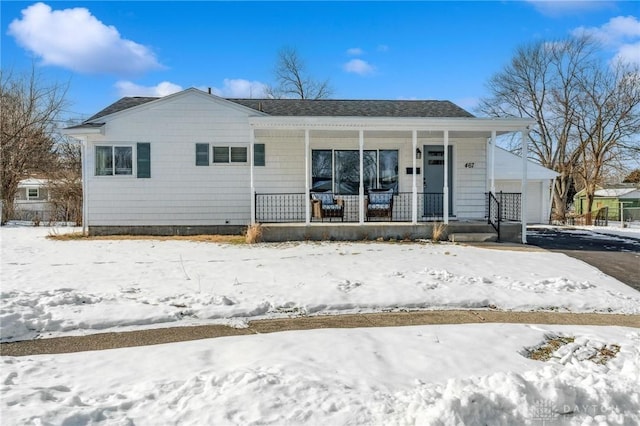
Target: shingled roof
322, 107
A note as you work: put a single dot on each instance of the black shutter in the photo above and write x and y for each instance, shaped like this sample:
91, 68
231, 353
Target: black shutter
258, 154
202, 154
144, 160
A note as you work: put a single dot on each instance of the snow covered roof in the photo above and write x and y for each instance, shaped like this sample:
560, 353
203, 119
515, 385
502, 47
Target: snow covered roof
32, 183
508, 166
618, 192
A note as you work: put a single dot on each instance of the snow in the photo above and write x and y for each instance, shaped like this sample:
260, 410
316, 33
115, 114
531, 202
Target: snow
420, 375
631, 230
52, 288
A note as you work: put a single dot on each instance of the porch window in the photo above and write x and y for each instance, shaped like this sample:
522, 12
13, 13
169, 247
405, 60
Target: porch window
339, 170
114, 160
322, 170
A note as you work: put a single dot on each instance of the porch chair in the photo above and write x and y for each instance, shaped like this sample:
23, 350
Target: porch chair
325, 204
379, 203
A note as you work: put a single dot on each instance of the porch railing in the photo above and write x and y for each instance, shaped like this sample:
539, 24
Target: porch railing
509, 205
291, 208
493, 212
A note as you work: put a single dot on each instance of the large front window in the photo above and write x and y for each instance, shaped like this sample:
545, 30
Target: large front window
114, 160
339, 170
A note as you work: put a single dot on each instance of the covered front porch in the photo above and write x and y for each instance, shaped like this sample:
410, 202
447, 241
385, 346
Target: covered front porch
435, 169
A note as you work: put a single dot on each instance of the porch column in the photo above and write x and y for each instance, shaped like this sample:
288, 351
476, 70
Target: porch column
361, 189
84, 142
307, 204
252, 139
414, 187
523, 196
492, 184
445, 187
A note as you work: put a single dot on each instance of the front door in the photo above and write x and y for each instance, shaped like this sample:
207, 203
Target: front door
433, 180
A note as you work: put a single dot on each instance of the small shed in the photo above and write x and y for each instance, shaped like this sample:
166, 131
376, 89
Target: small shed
612, 197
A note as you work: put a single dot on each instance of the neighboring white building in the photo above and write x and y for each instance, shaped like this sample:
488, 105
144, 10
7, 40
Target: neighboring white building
32, 200
193, 161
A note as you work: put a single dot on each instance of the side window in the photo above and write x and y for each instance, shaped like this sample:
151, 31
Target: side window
238, 154
32, 193
220, 154
114, 160
202, 154
226, 154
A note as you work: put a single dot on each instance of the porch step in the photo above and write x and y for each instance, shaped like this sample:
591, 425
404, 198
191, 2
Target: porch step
473, 237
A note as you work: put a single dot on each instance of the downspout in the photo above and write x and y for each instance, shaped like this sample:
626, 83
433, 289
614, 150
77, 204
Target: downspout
523, 201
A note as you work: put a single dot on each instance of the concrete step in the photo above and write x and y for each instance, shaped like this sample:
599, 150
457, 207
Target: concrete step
473, 237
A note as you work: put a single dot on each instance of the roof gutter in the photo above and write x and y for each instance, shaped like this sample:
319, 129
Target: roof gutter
392, 123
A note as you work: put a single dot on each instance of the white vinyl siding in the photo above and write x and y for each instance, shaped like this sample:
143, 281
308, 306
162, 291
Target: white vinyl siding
179, 193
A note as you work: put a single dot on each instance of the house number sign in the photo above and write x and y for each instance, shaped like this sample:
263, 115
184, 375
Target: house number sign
469, 165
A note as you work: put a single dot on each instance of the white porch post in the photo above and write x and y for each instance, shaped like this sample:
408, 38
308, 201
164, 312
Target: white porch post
492, 185
445, 187
307, 204
84, 142
523, 200
361, 189
252, 139
414, 187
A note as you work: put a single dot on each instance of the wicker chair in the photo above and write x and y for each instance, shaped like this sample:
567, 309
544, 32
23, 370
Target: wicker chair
379, 203
326, 205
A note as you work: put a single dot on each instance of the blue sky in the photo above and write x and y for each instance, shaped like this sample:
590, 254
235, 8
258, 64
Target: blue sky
368, 50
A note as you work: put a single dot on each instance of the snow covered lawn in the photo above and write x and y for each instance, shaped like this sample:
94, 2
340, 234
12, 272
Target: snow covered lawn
421, 375
424, 375
53, 287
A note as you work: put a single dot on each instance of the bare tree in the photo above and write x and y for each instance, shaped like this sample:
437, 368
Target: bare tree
65, 182
28, 110
562, 85
293, 81
633, 177
607, 112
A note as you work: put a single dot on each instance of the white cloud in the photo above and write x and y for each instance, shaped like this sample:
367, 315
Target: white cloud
127, 88
621, 33
383, 48
555, 8
358, 66
629, 53
617, 30
240, 88
75, 39
355, 51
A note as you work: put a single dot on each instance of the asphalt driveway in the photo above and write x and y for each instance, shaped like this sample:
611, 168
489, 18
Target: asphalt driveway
618, 257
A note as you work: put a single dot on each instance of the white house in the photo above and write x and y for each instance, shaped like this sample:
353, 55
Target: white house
194, 162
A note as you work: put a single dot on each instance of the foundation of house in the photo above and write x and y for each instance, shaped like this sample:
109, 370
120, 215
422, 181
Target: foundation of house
329, 231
